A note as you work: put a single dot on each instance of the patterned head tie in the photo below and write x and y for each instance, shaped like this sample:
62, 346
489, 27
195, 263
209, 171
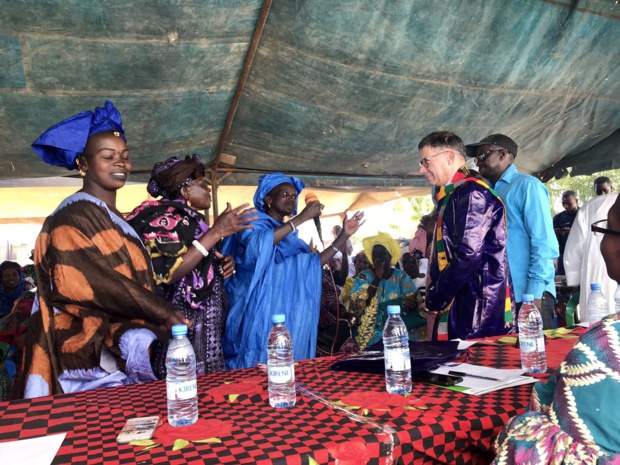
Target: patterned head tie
169, 176
61, 144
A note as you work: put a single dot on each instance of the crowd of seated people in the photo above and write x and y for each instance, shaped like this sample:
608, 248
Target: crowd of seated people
164, 265
17, 294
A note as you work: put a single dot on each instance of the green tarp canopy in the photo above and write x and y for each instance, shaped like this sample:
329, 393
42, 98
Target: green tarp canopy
338, 92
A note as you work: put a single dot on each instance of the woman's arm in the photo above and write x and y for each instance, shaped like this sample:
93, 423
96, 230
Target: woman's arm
229, 222
349, 227
312, 210
341, 275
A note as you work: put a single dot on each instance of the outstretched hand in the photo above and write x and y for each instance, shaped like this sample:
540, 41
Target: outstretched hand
351, 225
232, 220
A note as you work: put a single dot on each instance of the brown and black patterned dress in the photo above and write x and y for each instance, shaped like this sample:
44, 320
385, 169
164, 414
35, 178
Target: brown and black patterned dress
96, 302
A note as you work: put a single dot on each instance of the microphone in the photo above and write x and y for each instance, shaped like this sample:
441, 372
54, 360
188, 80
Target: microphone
311, 197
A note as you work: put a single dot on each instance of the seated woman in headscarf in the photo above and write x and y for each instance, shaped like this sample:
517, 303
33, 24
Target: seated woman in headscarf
360, 263
334, 333
276, 273
97, 312
12, 331
188, 267
574, 417
380, 286
12, 286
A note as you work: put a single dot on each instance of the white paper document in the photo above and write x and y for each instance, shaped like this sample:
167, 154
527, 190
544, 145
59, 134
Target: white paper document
34, 451
478, 379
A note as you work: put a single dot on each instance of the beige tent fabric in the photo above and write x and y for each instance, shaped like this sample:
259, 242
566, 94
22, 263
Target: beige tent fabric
31, 201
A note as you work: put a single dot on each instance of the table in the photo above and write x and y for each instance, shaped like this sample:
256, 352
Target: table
434, 425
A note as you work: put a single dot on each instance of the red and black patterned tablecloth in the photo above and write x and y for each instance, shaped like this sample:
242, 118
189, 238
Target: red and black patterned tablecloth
347, 417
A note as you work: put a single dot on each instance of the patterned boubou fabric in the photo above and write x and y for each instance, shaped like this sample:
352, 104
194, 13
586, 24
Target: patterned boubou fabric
371, 318
95, 285
575, 417
167, 228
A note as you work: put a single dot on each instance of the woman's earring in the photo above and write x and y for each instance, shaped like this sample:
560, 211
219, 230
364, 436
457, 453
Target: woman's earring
189, 203
82, 173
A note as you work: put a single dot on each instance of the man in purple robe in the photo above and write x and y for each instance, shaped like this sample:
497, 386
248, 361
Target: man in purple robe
469, 274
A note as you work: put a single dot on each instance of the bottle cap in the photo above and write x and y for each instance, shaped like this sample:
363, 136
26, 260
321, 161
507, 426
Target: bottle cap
393, 309
179, 330
527, 298
595, 286
278, 318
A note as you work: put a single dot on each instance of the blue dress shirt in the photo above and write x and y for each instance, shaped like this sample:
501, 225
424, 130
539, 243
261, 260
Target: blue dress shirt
532, 244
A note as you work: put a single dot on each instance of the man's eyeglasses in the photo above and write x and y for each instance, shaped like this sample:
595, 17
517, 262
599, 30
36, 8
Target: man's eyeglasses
483, 155
600, 227
424, 161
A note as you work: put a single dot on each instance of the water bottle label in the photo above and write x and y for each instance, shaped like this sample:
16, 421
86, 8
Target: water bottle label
397, 360
528, 345
182, 390
281, 374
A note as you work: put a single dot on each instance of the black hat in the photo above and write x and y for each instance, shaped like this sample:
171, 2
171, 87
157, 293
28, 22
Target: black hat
503, 141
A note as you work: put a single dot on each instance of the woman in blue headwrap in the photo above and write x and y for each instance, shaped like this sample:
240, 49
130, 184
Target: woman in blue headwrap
97, 314
276, 273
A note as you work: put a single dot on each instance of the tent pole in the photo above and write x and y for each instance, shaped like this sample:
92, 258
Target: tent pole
214, 187
243, 79
258, 32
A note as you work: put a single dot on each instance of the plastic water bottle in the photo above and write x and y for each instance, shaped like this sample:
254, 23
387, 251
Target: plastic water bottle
617, 299
531, 337
598, 307
181, 379
396, 353
280, 366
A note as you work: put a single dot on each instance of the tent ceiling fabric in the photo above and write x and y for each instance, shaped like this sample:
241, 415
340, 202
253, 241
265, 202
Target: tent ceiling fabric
339, 93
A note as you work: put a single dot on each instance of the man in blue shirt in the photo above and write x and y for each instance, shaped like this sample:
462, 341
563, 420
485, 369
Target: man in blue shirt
532, 243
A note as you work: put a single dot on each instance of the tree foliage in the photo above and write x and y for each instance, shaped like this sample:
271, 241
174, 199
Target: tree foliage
401, 218
583, 185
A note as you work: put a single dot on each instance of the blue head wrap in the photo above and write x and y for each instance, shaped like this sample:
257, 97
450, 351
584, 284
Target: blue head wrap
268, 181
61, 144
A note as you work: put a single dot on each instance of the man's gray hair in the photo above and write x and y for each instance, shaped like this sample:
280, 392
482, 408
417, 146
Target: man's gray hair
443, 139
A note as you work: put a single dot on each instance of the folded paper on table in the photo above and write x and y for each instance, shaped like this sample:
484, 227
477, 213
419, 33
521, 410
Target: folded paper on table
35, 451
424, 356
477, 386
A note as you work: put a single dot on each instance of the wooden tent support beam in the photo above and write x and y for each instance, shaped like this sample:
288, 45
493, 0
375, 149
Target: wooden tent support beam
230, 170
214, 186
258, 32
247, 67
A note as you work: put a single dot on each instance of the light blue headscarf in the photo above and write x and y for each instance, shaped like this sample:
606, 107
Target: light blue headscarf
269, 181
281, 278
